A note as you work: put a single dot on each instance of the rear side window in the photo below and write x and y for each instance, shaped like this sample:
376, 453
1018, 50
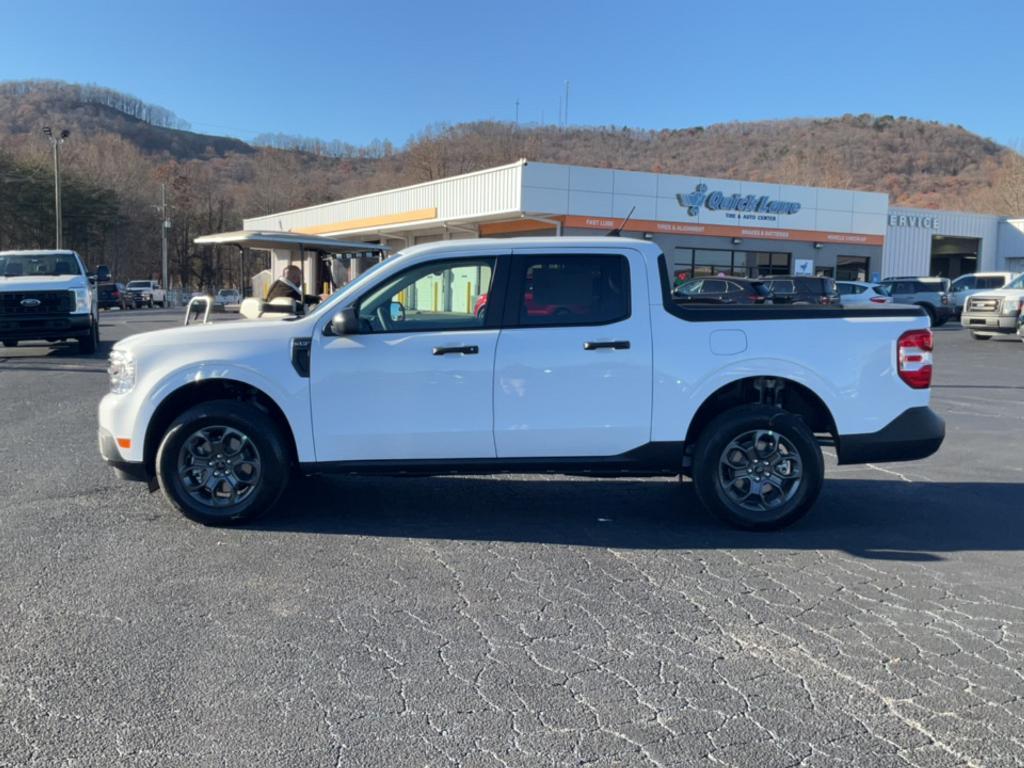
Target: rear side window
572, 289
713, 286
991, 282
782, 286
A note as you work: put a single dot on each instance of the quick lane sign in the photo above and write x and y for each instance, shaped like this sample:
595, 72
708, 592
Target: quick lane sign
719, 201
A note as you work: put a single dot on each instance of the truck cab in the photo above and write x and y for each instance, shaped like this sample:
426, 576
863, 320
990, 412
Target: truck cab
399, 372
48, 296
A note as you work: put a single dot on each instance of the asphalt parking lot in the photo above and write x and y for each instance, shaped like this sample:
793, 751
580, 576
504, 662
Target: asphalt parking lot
518, 621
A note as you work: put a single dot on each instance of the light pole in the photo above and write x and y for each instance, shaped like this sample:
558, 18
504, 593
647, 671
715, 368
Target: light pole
165, 224
56, 141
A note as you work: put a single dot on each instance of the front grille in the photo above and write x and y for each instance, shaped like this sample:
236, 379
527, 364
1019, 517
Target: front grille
21, 303
983, 305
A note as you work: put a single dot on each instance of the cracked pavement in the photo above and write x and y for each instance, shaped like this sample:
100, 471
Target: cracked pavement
517, 621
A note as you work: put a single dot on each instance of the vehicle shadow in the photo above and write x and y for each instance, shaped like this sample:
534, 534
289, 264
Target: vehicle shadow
878, 519
40, 353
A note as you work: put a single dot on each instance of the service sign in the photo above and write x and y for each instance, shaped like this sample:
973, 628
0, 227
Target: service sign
913, 220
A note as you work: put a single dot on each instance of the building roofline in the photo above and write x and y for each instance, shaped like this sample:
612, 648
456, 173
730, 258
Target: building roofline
517, 164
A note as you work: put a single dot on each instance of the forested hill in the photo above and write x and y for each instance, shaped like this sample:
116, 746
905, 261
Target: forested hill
122, 149
90, 111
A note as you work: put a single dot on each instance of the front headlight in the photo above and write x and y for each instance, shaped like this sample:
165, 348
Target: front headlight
83, 300
121, 368
1012, 306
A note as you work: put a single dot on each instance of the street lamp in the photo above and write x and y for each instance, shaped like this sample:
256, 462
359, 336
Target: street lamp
55, 142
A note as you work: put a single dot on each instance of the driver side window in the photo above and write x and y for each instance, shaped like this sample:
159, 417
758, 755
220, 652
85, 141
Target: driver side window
436, 296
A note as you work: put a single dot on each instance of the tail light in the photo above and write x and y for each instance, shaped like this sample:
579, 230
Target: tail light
914, 358
945, 298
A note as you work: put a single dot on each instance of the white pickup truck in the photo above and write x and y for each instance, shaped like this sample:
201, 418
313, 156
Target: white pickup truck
147, 293
558, 354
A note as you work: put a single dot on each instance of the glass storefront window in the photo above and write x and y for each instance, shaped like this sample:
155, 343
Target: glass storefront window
704, 262
852, 268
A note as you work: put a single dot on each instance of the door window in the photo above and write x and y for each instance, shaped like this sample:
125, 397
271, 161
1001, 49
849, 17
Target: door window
574, 289
965, 283
437, 296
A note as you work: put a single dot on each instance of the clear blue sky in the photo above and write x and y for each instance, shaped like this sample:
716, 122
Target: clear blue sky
386, 69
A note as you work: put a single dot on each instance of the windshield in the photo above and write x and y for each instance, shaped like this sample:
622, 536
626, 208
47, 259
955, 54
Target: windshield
39, 265
139, 284
1017, 283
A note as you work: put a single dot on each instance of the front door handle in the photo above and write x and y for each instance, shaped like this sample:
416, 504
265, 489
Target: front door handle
468, 350
589, 345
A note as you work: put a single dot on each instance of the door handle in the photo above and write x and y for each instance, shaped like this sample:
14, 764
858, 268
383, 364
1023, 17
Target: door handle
589, 345
468, 350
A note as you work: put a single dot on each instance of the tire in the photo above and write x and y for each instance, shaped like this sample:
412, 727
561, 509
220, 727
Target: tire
150, 304
738, 430
88, 345
11, 343
196, 433
932, 320
980, 336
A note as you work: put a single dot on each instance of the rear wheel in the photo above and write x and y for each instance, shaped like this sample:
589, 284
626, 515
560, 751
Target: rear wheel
222, 463
931, 313
758, 467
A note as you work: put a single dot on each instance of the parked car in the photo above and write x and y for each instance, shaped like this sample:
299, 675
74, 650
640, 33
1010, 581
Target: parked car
220, 416
929, 293
48, 296
722, 290
853, 293
976, 282
226, 296
996, 312
147, 293
111, 295
802, 289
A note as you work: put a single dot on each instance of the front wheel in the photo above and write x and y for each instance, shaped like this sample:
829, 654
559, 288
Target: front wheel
87, 345
758, 467
222, 463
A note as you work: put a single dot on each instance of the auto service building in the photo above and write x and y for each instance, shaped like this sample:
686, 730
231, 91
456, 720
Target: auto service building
704, 225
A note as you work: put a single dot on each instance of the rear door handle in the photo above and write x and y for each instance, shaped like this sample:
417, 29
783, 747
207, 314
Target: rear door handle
468, 350
589, 345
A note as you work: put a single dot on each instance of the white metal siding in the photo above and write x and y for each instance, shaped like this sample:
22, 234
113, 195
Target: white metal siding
908, 250
480, 194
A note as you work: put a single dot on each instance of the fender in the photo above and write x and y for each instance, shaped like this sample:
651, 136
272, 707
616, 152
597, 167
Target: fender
292, 400
700, 391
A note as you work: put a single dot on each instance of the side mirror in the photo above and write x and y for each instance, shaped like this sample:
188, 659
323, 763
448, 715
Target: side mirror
397, 312
345, 322
102, 273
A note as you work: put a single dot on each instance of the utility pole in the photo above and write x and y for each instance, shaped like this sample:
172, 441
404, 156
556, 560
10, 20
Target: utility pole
566, 103
517, 111
55, 142
165, 224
